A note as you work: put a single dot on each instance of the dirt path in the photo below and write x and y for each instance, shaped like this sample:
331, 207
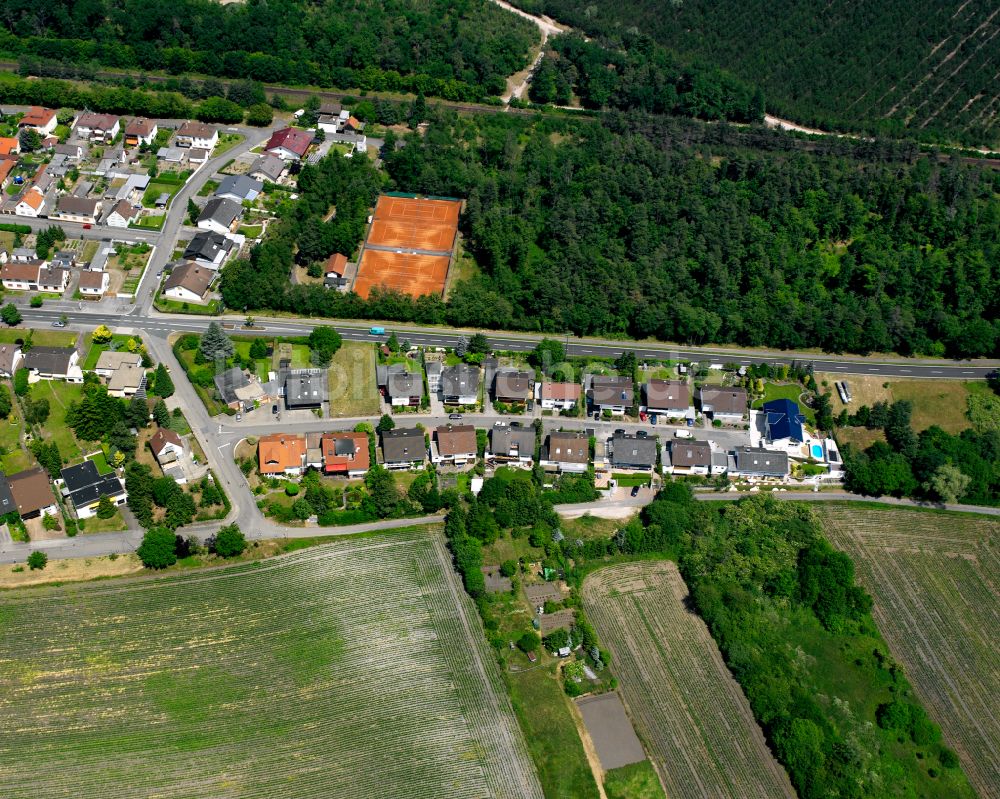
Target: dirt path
517, 84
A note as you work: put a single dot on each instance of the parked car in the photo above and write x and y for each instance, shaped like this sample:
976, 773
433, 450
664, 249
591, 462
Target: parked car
682, 434
454, 416
652, 418
274, 409
58, 323
239, 417
635, 491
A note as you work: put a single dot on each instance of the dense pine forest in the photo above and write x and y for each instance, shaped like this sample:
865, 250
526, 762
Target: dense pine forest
679, 230
458, 49
926, 69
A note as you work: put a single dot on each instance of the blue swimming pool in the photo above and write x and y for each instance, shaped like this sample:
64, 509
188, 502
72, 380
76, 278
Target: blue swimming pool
817, 452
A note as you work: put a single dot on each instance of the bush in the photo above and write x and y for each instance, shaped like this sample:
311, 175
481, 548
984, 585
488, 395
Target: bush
37, 560
230, 541
158, 548
292, 489
529, 642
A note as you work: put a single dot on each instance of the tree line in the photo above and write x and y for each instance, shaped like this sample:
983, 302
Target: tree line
459, 50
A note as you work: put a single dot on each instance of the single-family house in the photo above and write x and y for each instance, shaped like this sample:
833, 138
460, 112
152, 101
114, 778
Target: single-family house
401, 387
53, 279
632, 451
197, 134
728, 404
512, 443
267, 169
611, 393
305, 388
84, 486
64, 258
122, 215
454, 444
671, 398
126, 381
7, 164
32, 493
345, 453
41, 120
198, 155
220, 215
54, 363
352, 125
208, 248
94, 284
78, 209
403, 448
188, 282
10, 359
110, 360
9, 145
289, 144
20, 275
97, 127
167, 446
783, 422
513, 387
759, 462
566, 451
30, 203
281, 453
460, 385
239, 188
557, 396
688, 456
140, 131
335, 270
70, 151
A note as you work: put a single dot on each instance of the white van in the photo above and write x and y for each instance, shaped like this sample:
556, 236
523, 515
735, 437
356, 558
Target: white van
682, 434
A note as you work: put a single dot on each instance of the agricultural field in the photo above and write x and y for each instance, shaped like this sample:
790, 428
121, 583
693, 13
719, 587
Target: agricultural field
933, 576
352, 669
694, 719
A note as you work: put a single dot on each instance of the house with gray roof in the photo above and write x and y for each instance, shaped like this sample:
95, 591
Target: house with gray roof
566, 451
633, 451
460, 385
512, 443
611, 393
305, 388
513, 387
220, 215
54, 363
726, 403
688, 456
208, 248
403, 448
402, 387
267, 168
759, 462
239, 188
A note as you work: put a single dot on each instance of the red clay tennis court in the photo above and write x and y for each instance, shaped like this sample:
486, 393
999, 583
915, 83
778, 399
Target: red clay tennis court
410, 209
412, 236
407, 272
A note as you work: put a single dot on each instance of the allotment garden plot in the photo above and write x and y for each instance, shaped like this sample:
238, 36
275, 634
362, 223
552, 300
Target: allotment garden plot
935, 578
695, 720
350, 670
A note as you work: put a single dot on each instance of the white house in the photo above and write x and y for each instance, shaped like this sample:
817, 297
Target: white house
10, 359
557, 396
20, 275
122, 215
220, 215
567, 451
209, 249
197, 134
460, 385
54, 363
110, 360
53, 278
41, 120
188, 282
140, 131
31, 203
94, 284
454, 444
239, 188
97, 127
77, 209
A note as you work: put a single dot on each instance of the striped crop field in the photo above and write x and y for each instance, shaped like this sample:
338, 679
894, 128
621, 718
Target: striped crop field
935, 579
355, 669
692, 715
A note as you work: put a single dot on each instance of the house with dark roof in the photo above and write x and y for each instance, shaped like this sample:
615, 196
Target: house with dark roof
54, 363
403, 448
267, 169
97, 127
84, 486
198, 135
93, 284
7, 503
633, 451
726, 403
460, 385
688, 456
401, 387
220, 215
227, 383
167, 446
566, 451
305, 388
208, 248
140, 131
239, 188
512, 443
671, 398
611, 393
10, 359
289, 144
78, 209
32, 493
188, 282
345, 453
513, 387
454, 444
53, 279
759, 462
783, 422
122, 215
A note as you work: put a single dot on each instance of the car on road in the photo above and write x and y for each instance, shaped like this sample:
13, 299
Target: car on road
454, 416
239, 417
635, 491
59, 323
274, 409
87, 226
376, 331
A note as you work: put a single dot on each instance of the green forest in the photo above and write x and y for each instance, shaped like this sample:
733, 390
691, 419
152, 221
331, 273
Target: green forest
458, 49
921, 69
669, 228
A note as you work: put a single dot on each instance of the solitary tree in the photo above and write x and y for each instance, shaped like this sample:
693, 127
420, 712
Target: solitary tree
324, 343
386, 423
101, 335
258, 349
479, 344
230, 541
529, 642
161, 414
157, 550
215, 344
37, 560
10, 315
105, 508
163, 385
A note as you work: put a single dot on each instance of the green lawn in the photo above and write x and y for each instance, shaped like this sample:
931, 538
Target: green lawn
261, 365
119, 341
59, 395
227, 141
39, 337
150, 222
115, 524
102, 463
553, 740
209, 187
634, 781
352, 381
166, 305
179, 424
251, 231
158, 187
14, 459
792, 391
629, 480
